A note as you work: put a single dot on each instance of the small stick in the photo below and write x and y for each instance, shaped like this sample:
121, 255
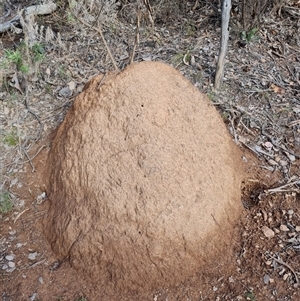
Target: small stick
280, 188
101, 81
288, 266
137, 34
17, 217
29, 159
99, 30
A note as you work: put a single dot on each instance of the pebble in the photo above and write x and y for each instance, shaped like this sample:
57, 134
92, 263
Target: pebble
40, 198
291, 212
5, 266
32, 256
284, 228
297, 228
65, 92
10, 270
33, 297
272, 162
11, 264
269, 262
285, 276
291, 157
269, 233
266, 279
41, 280
14, 182
10, 257
282, 271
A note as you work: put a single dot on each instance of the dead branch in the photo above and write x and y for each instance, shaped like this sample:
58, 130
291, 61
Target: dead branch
44, 9
226, 7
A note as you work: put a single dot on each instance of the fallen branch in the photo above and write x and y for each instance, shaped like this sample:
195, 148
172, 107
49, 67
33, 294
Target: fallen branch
43, 9
226, 7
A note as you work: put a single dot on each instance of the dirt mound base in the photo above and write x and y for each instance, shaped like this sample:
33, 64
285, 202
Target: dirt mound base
144, 182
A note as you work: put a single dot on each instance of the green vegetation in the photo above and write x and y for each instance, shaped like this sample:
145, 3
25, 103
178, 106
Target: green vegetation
6, 203
250, 35
249, 296
191, 28
15, 57
11, 138
19, 56
38, 52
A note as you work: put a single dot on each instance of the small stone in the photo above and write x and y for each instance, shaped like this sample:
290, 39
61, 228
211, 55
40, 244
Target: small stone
291, 212
10, 270
284, 228
10, 257
5, 266
266, 279
12, 232
41, 280
72, 85
215, 288
277, 158
19, 245
11, 264
285, 276
283, 163
264, 214
41, 197
291, 157
65, 92
269, 233
276, 230
268, 262
272, 162
33, 297
271, 280
32, 256
297, 228
14, 182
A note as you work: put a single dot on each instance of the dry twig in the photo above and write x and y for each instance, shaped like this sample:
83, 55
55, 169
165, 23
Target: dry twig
287, 266
283, 187
99, 30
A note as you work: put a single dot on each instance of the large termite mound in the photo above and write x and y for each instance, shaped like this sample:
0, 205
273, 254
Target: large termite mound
144, 182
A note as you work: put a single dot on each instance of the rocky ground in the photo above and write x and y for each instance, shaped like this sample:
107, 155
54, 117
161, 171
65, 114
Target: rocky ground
259, 101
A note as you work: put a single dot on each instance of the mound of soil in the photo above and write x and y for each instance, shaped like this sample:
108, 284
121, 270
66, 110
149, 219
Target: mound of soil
144, 181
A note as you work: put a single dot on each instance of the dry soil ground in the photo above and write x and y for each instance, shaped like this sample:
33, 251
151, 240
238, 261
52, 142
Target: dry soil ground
259, 101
